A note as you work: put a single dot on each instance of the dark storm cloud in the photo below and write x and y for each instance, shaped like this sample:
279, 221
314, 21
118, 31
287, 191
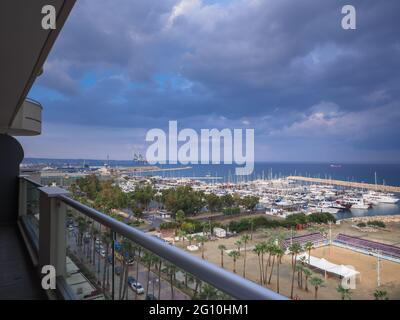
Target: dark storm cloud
285, 68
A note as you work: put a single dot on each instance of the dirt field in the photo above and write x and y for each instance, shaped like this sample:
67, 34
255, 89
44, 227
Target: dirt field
366, 265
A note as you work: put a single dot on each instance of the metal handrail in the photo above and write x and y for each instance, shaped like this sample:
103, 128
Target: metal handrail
34, 102
222, 279
36, 184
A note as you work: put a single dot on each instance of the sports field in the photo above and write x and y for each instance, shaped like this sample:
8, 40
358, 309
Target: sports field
366, 265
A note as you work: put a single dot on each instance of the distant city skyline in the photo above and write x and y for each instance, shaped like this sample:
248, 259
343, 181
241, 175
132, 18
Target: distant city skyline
311, 90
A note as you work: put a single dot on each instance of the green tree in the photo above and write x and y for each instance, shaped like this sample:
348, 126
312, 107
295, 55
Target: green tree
208, 292
345, 293
294, 249
307, 274
201, 240
227, 200
214, 203
222, 248
180, 217
309, 246
279, 254
258, 249
273, 250
238, 244
316, 282
234, 255
148, 259
126, 253
299, 269
183, 198
190, 239
380, 295
249, 202
244, 239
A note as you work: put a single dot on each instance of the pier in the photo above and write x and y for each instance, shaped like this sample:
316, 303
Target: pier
360, 185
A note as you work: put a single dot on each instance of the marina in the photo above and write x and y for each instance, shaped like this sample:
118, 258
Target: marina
350, 184
278, 195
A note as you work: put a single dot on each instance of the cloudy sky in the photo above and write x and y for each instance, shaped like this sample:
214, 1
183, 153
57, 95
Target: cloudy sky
311, 90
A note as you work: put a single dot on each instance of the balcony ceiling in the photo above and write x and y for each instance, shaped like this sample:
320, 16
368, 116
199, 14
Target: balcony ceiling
24, 47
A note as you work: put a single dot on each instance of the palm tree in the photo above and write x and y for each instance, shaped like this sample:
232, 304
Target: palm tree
303, 265
234, 255
182, 234
201, 239
268, 247
196, 288
106, 239
299, 269
273, 254
222, 248
208, 292
294, 249
238, 244
126, 249
95, 236
345, 293
279, 254
82, 226
257, 250
138, 258
251, 229
171, 272
160, 261
264, 249
316, 282
309, 246
245, 238
190, 239
148, 260
380, 295
307, 274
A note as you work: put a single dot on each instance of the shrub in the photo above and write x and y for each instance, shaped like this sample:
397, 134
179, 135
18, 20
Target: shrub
361, 224
290, 221
168, 225
231, 211
376, 223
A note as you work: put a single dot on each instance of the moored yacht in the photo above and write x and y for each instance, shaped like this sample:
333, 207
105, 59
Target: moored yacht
379, 197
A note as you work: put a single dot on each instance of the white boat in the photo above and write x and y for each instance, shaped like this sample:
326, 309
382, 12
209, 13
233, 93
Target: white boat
361, 206
378, 197
326, 206
357, 203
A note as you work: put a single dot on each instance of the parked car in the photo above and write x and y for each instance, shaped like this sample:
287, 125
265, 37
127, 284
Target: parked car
131, 280
103, 253
137, 287
118, 270
110, 259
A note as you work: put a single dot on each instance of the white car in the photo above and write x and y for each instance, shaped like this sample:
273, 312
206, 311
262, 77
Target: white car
103, 253
137, 287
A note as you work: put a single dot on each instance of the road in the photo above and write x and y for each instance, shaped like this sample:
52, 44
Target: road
165, 291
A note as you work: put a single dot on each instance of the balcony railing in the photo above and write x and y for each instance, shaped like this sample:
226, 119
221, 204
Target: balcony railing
98, 257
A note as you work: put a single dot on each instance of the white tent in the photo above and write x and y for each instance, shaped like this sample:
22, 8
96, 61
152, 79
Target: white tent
326, 266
